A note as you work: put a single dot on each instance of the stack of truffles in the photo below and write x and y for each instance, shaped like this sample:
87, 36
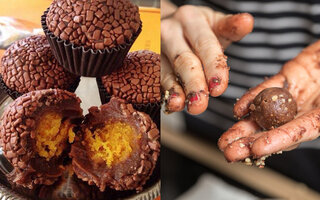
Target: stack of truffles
56, 152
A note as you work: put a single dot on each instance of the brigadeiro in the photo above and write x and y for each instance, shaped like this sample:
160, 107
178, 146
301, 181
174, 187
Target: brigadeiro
34, 135
117, 147
29, 65
273, 107
91, 38
137, 82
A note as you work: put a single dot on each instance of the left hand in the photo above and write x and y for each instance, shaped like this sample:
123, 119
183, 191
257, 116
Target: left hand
300, 76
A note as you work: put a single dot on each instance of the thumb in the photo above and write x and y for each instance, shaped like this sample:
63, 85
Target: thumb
229, 28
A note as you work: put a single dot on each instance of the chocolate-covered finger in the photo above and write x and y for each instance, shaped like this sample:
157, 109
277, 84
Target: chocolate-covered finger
234, 27
241, 129
207, 47
173, 92
240, 149
228, 28
301, 129
241, 108
186, 66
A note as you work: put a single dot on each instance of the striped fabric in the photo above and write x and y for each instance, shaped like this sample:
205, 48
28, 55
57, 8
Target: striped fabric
282, 29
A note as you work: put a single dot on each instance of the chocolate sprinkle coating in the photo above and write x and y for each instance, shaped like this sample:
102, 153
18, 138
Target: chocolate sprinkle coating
138, 80
134, 171
95, 24
17, 135
29, 65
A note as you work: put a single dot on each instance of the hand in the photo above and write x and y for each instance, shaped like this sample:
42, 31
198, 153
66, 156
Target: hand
193, 64
301, 77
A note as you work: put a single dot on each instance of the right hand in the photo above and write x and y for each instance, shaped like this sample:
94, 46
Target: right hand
193, 64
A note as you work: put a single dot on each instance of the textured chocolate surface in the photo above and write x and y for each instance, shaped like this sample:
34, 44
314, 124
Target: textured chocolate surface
29, 65
95, 24
134, 171
17, 135
138, 80
273, 107
69, 187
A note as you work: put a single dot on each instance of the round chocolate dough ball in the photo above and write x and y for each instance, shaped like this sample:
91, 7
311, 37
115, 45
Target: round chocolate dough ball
273, 107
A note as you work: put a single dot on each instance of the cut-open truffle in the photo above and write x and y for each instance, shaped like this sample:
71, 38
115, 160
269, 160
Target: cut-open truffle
35, 131
117, 147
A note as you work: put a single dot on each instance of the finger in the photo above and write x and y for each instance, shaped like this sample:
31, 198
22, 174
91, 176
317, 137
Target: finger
229, 28
240, 149
241, 108
292, 147
186, 65
301, 129
174, 94
240, 129
207, 47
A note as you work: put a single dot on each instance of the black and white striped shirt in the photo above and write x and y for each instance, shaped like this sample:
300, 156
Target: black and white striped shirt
282, 29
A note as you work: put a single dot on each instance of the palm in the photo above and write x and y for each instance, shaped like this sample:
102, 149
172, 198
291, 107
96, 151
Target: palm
300, 76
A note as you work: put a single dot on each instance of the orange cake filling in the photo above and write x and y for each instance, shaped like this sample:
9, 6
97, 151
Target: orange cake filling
52, 134
112, 143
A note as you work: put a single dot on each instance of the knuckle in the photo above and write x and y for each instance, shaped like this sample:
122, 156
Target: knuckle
186, 59
184, 12
203, 43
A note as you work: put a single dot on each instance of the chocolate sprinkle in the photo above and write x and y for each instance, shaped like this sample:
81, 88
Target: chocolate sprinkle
134, 171
138, 80
29, 65
17, 135
95, 24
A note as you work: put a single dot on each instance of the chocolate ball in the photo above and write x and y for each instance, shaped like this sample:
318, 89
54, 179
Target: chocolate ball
95, 24
117, 147
138, 80
34, 135
273, 107
29, 65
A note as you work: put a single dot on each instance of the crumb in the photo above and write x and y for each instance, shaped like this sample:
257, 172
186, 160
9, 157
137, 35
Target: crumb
274, 98
242, 145
166, 95
248, 161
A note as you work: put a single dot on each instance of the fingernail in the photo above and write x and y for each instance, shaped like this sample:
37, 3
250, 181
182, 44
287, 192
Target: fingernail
192, 97
173, 95
214, 82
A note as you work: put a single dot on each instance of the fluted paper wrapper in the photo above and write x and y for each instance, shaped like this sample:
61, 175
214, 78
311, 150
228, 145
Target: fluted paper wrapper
152, 109
86, 62
14, 94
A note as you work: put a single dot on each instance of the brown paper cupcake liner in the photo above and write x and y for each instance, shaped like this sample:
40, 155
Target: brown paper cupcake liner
86, 62
14, 94
152, 109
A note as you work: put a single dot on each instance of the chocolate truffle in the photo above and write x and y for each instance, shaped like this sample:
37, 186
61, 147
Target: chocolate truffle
29, 65
95, 24
138, 80
118, 147
34, 133
273, 107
